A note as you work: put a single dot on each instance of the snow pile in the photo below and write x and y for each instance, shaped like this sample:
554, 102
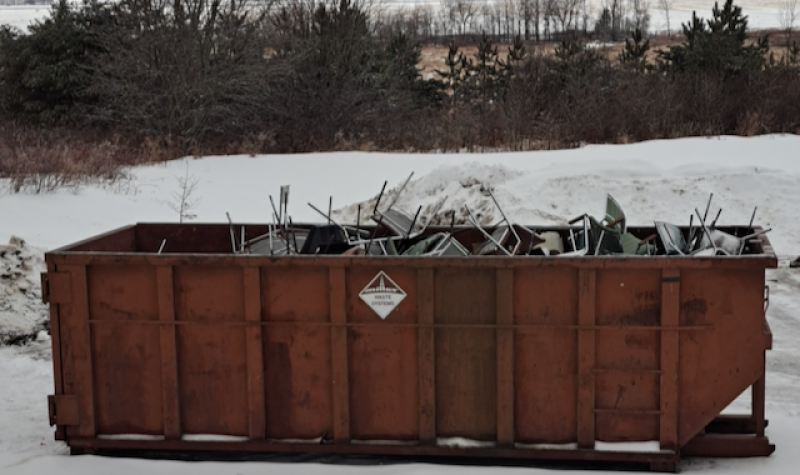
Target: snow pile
22, 313
451, 186
556, 194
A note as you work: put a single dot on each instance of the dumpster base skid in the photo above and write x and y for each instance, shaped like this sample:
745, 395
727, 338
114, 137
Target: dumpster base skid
665, 461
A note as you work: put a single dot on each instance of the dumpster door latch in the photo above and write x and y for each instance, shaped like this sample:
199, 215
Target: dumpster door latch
56, 287
63, 410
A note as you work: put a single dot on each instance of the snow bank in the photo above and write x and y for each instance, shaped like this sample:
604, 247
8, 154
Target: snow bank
22, 313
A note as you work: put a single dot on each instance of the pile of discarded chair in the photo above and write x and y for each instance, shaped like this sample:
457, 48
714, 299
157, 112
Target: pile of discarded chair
397, 233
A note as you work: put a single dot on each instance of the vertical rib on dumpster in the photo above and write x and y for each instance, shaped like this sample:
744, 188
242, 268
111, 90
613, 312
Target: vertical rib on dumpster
341, 384
670, 311
586, 357
55, 338
169, 356
758, 397
505, 358
79, 330
427, 395
255, 356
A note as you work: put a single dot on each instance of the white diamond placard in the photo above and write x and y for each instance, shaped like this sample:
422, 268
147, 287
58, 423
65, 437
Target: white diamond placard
382, 295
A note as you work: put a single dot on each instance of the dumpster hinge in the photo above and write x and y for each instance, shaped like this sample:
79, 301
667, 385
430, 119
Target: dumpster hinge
56, 287
63, 410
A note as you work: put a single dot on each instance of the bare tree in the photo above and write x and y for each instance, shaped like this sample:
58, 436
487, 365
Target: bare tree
509, 13
666, 5
641, 15
462, 11
787, 16
446, 17
567, 13
182, 200
527, 11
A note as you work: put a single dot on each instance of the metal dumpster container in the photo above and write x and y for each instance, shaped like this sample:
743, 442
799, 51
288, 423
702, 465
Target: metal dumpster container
599, 358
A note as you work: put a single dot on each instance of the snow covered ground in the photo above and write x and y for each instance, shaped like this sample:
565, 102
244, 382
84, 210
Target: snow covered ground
21, 16
662, 180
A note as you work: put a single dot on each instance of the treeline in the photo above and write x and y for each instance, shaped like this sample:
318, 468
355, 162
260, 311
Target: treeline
156, 78
502, 20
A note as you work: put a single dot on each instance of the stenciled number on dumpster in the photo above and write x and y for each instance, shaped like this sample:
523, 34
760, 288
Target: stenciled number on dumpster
382, 295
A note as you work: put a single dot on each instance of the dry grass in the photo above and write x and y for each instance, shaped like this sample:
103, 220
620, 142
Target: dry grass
43, 160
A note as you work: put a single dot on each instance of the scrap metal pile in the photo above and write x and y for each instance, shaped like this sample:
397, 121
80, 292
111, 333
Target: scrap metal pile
397, 233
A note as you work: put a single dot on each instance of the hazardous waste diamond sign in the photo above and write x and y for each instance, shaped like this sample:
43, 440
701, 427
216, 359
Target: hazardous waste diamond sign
382, 295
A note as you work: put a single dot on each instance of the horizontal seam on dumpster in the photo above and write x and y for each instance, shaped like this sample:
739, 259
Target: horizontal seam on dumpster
411, 325
646, 412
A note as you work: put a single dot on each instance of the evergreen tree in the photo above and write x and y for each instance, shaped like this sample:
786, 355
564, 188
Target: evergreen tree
45, 73
454, 75
485, 72
517, 54
573, 57
716, 45
634, 55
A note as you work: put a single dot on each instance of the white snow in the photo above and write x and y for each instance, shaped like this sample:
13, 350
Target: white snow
662, 180
651, 446
21, 16
21, 309
463, 443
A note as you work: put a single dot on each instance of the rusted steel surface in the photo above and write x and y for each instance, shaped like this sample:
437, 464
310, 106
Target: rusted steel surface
513, 354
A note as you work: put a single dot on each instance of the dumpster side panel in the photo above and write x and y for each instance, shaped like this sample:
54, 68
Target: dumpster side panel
212, 370
725, 354
382, 360
466, 364
486, 349
627, 359
297, 352
123, 303
546, 352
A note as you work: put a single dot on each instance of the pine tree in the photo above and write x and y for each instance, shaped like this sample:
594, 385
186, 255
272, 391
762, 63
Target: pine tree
453, 77
634, 55
716, 45
573, 57
517, 54
485, 72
